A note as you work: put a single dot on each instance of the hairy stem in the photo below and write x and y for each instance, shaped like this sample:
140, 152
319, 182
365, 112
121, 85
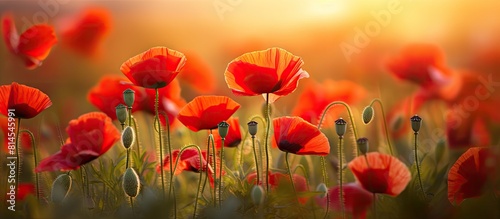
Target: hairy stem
268, 129
385, 123
417, 165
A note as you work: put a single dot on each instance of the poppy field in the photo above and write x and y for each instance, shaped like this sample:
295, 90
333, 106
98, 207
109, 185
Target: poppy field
249, 109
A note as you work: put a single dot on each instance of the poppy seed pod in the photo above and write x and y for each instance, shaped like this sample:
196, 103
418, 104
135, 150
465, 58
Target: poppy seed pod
128, 137
223, 129
252, 127
363, 145
60, 188
121, 113
367, 114
323, 189
416, 121
257, 195
131, 183
129, 97
340, 127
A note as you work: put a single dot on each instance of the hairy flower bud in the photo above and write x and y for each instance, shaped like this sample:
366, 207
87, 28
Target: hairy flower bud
323, 189
128, 137
367, 114
131, 184
258, 195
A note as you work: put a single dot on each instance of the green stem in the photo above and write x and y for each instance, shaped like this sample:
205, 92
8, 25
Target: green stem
325, 180
351, 118
291, 177
220, 170
256, 160
129, 116
385, 123
268, 129
128, 154
375, 205
416, 163
132, 205
341, 173
35, 159
158, 124
214, 164
137, 136
18, 155
200, 156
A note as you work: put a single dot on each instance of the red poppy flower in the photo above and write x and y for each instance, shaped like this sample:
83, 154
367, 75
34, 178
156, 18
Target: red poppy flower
90, 136
108, 93
33, 45
316, 96
85, 32
295, 135
233, 138
198, 74
26, 101
423, 64
385, 173
469, 174
206, 112
357, 200
190, 161
154, 68
277, 179
274, 71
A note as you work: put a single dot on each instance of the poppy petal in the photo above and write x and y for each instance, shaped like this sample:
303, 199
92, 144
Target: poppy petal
26, 101
206, 112
10, 34
295, 135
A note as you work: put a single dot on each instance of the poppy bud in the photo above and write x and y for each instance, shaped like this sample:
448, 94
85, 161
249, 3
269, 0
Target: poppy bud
367, 114
129, 97
252, 127
121, 113
223, 129
257, 195
416, 121
340, 127
323, 189
60, 188
363, 145
131, 184
128, 137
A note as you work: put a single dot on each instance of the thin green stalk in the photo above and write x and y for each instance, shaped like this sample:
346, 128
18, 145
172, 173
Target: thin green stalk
18, 155
385, 123
137, 136
158, 124
268, 129
291, 177
201, 172
256, 160
35, 159
325, 180
220, 170
416, 163
132, 205
351, 118
375, 205
214, 164
128, 155
129, 116
341, 173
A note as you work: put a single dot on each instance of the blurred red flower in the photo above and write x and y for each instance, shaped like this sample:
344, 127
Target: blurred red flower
316, 96
83, 33
33, 45
90, 136
274, 71
385, 173
108, 93
26, 101
233, 138
295, 135
357, 200
154, 68
198, 74
276, 179
24, 190
206, 112
190, 161
469, 174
